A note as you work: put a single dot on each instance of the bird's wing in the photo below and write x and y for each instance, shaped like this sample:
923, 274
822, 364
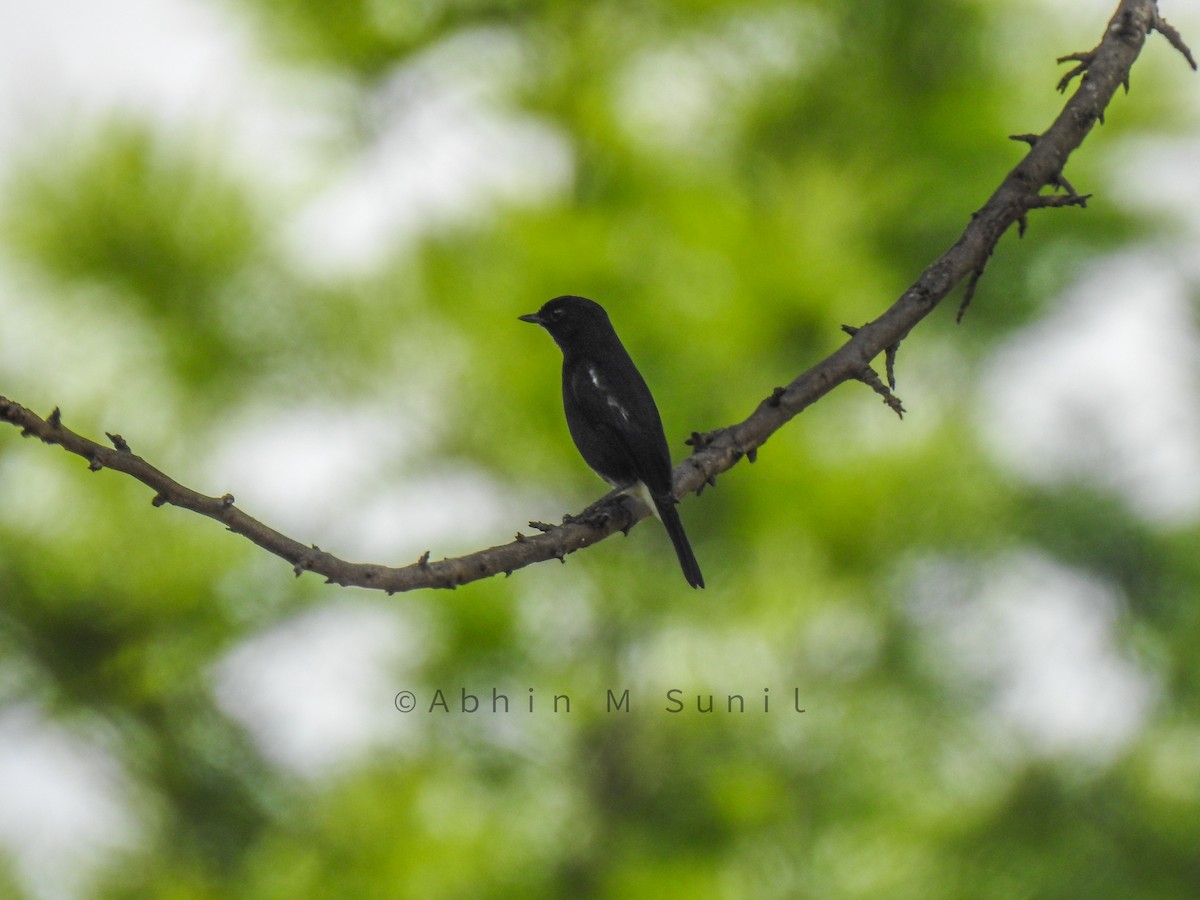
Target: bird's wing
605, 399
625, 421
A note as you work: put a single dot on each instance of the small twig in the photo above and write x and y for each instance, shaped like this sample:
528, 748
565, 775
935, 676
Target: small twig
1084, 59
969, 292
868, 377
1055, 201
1163, 27
889, 363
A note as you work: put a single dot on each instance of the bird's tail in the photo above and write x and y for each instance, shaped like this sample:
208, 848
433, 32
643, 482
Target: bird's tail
687, 559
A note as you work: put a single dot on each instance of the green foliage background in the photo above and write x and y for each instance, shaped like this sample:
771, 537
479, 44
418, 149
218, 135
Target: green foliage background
839, 148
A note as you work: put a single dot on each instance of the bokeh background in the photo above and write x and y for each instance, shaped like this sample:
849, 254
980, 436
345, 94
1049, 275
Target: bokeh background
280, 246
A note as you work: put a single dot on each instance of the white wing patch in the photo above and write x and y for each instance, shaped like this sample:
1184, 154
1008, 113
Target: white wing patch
608, 397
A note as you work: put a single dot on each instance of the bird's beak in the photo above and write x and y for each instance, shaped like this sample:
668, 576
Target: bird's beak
531, 317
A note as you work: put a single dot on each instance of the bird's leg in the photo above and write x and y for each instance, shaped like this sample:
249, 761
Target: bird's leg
595, 512
599, 514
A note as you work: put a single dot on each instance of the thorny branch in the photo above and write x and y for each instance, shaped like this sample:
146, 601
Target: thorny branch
1101, 70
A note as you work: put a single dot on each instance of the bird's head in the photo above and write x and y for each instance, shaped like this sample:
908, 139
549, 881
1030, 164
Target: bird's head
566, 317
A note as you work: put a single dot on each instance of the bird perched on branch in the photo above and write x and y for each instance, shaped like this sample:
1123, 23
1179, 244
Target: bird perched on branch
611, 414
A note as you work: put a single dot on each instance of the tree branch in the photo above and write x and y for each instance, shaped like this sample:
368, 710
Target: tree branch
1103, 70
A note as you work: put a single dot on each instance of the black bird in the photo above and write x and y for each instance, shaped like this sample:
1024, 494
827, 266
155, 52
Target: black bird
611, 414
